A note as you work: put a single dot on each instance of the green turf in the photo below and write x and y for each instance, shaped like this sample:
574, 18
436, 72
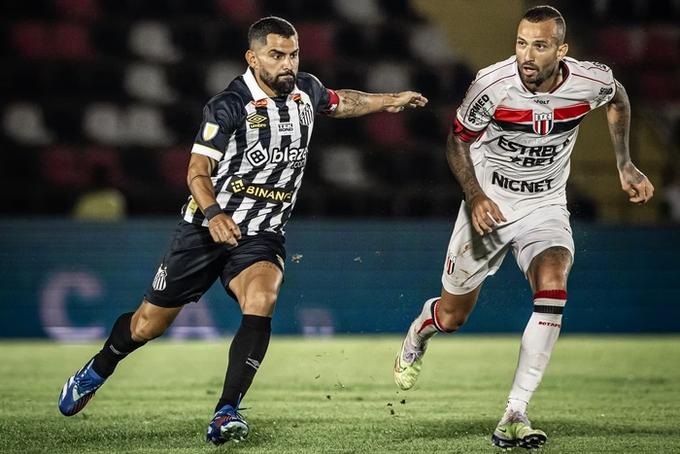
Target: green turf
601, 394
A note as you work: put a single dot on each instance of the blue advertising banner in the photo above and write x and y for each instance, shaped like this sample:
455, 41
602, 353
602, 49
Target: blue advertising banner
68, 280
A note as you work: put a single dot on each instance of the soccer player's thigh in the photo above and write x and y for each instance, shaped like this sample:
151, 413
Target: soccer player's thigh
188, 269
254, 273
469, 260
544, 248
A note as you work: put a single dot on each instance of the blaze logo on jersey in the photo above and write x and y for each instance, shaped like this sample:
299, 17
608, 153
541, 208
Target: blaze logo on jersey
257, 155
159, 281
543, 123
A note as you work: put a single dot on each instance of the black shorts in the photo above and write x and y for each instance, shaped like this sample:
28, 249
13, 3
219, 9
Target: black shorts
194, 261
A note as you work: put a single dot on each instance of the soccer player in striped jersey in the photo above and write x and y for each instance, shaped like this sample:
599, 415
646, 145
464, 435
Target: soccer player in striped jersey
509, 149
244, 174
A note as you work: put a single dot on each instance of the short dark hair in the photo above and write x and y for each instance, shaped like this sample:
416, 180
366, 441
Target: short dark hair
270, 24
544, 13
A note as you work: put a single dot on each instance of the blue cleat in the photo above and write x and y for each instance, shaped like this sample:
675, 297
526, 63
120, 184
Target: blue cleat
79, 389
227, 424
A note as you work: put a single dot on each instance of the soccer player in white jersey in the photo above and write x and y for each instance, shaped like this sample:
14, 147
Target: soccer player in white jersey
245, 171
509, 149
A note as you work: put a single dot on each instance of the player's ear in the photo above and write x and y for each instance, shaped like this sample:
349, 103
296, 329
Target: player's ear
562, 50
251, 59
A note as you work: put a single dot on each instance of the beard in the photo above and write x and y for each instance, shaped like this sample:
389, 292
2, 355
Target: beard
539, 76
281, 84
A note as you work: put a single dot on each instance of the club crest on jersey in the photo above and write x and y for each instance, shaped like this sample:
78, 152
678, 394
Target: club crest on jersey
306, 115
209, 131
543, 123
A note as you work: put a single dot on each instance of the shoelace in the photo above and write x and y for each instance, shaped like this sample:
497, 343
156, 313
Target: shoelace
236, 412
411, 353
82, 379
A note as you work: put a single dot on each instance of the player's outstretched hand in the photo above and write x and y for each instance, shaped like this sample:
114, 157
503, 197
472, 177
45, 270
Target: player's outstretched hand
635, 184
485, 214
405, 100
224, 230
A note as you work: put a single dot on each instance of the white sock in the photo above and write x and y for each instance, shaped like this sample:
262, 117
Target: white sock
538, 342
422, 328
426, 324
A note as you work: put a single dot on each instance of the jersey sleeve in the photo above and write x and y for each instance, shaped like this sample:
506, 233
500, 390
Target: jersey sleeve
605, 89
325, 100
476, 111
221, 116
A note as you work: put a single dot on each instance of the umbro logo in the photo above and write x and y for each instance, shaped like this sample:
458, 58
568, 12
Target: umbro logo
256, 120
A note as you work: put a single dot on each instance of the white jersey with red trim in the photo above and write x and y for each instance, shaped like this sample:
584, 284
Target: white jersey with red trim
524, 139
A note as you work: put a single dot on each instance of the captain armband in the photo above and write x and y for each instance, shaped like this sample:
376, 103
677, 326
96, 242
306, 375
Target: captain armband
464, 133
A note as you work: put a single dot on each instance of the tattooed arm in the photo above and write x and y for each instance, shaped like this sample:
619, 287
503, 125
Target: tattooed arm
355, 103
485, 213
633, 182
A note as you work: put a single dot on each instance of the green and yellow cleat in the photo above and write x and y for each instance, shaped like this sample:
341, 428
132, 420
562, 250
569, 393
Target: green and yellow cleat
515, 430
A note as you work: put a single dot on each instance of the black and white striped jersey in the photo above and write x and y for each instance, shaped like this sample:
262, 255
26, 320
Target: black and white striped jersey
260, 145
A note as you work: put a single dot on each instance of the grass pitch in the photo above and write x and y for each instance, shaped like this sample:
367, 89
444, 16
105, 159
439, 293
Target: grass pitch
600, 394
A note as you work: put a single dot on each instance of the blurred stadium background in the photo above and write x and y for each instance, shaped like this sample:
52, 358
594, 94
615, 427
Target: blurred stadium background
101, 100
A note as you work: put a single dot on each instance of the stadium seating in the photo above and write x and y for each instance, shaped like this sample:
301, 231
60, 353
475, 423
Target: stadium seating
122, 83
126, 80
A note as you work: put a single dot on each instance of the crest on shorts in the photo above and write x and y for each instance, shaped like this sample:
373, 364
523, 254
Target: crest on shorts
209, 131
160, 281
450, 263
543, 123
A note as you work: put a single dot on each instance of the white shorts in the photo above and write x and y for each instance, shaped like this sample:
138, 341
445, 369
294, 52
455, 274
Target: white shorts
471, 257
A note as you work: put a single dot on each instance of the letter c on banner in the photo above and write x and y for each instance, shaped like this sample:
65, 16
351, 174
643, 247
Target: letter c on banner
53, 300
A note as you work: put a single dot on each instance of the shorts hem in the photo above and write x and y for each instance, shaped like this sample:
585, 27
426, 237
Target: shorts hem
162, 302
225, 283
452, 289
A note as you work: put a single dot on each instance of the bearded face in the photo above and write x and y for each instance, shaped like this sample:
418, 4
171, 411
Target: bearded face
282, 83
275, 63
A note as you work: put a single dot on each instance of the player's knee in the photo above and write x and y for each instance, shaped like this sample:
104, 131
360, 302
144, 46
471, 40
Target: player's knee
260, 303
551, 279
550, 269
451, 321
146, 329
